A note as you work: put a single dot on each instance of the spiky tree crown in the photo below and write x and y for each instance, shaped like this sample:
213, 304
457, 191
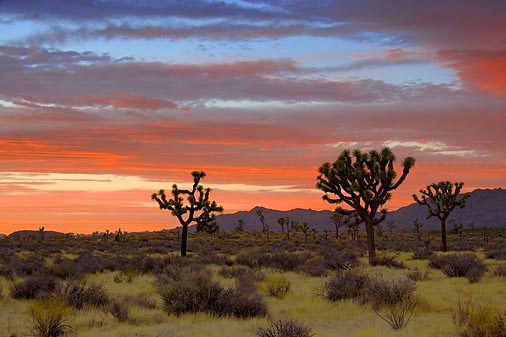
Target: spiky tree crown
197, 202
363, 181
441, 198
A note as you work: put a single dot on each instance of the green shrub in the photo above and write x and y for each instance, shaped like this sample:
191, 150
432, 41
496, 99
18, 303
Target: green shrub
50, 318
284, 328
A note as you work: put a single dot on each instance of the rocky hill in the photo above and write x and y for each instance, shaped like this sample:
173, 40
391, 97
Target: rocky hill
486, 207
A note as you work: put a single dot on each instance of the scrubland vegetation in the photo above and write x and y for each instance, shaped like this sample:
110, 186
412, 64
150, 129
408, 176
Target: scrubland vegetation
240, 284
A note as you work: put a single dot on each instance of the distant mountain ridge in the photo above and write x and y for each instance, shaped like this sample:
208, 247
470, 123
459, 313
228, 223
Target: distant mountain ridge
486, 207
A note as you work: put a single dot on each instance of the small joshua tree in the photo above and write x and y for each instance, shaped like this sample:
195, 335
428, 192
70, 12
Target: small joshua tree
418, 226
197, 209
240, 226
441, 199
41, 232
265, 225
338, 218
364, 183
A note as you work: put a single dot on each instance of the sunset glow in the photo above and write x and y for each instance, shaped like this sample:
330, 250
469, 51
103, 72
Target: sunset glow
104, 102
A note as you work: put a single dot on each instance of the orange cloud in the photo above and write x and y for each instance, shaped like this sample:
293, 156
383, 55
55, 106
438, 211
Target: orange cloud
485, 70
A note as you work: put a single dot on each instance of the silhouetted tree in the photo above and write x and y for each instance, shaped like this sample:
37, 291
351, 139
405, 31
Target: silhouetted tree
240, 226
282, 222
117, 236
341, 217
391, 226
441, 199
265, 225
41, 232
418, 226
304, 228
364, 183
198, 207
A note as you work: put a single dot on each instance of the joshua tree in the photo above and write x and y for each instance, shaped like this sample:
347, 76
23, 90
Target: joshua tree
265, 225
364, 183
391, 226
441, 199
240, 226
198, 208
418, 226
304, 228
338, 218
41, 232
282, 222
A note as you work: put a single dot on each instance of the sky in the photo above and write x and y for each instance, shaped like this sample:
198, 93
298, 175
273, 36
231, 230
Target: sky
104, 102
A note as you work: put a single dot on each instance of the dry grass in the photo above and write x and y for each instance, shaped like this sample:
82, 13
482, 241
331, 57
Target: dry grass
303, 303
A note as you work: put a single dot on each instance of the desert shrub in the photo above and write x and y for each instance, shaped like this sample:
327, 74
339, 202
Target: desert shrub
119, 309
286, 261
482, 320
239, 303
393, 301
340, 260
78, 295
387, 261
35, 286
276, 286
126, 276
197, 292
49, 318
499, 270
143, 300
497, 252
256, 258
64, 269
345, 285
459, 265
422, 254
253, 258
417, 275
284, 328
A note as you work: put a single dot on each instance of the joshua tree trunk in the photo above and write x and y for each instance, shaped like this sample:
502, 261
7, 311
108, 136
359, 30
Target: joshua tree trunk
371, 247
444, 246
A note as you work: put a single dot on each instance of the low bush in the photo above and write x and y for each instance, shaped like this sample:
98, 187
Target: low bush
345, 285
35, 286
482, 320
119, 309
78, 295
50, 318
499, 270
387, 261
64, 269
240, 304
459, 265
284, 328
143, 300
198, 292
393, 301
422, 254
276, 286
417, 275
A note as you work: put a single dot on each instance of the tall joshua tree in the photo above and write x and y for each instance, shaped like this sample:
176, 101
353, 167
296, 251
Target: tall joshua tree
364, 182
441, 199
196, 208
